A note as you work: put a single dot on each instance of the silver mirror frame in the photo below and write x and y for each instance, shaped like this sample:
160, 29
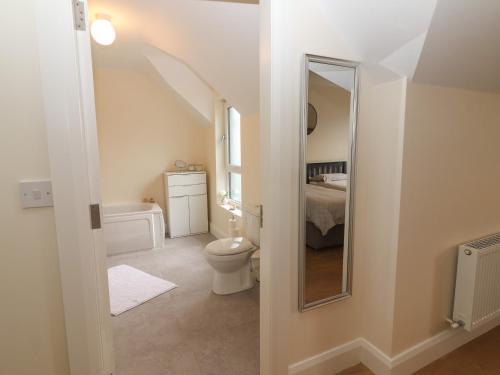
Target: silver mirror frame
351, 168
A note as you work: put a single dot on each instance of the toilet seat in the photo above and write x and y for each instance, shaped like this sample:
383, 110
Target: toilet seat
229, 246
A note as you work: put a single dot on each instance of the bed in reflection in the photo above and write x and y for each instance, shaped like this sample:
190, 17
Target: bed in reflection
326, 196
325, 204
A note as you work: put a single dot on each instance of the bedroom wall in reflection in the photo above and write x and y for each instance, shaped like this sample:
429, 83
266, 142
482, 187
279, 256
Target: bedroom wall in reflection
326, 185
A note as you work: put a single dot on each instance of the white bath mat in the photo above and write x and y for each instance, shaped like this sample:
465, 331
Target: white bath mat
130, 287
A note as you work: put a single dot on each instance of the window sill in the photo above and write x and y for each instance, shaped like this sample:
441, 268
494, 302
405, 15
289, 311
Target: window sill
230, 209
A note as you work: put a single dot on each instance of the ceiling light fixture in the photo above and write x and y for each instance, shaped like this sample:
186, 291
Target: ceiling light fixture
102, 30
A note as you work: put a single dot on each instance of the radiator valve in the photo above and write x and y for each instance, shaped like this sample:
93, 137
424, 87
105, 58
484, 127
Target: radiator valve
454, 324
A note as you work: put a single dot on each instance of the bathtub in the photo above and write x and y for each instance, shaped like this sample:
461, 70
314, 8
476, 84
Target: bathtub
133, 227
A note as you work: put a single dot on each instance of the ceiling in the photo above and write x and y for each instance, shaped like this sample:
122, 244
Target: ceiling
380, 31
444, 42
326, 74
462, 48
217, 40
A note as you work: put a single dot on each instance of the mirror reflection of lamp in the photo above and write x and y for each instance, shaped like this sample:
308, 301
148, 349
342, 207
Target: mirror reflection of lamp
102, 30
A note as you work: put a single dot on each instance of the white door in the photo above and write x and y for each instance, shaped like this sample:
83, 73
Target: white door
67, 86
178, 216
198, 216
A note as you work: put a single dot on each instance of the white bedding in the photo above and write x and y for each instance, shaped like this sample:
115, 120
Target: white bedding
325, 207
337, 185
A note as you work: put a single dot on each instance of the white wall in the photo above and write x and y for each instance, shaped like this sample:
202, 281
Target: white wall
143, 127
298, 28
449, 196
32, 330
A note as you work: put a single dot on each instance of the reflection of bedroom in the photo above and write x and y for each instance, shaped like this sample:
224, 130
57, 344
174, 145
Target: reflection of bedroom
327, 150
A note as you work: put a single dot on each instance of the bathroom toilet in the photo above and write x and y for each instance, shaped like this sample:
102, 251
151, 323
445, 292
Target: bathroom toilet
230, 258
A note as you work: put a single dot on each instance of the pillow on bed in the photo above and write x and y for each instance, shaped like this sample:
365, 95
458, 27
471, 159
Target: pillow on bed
318, 178
335, 176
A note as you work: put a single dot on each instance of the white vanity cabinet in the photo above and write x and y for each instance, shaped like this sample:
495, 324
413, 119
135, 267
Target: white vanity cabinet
186, 199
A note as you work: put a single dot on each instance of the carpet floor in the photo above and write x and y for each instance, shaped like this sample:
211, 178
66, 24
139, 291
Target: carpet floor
188, 330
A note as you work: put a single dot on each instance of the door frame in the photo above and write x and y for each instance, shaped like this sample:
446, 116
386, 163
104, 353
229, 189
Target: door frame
69, 104
69, 109
277, 295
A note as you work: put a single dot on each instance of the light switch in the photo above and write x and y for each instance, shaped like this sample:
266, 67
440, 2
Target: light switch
36, 193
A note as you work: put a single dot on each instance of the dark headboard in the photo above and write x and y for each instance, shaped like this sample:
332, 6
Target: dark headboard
314, 169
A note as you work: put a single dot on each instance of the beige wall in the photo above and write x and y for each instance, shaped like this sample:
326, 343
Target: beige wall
143, 126
32, 336
250, 167
439, 181
250, 160
450, 194
216, 174
330, 140
369, 312
300, 28
378, 181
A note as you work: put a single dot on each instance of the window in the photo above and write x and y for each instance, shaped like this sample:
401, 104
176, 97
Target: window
233, 157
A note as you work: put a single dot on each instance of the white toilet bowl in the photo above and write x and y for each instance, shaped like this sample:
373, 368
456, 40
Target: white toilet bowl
230, 259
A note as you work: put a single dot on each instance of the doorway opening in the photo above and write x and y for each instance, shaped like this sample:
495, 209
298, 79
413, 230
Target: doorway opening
178, 139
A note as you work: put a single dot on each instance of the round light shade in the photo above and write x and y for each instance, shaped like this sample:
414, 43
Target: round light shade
103, 32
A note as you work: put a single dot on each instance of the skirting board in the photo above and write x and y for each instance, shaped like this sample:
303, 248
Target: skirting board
217, 232
404, 363
329, 362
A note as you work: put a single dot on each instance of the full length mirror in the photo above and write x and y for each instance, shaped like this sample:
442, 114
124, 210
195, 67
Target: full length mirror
328, 134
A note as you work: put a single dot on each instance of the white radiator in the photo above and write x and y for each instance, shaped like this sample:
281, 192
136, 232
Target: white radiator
477, 290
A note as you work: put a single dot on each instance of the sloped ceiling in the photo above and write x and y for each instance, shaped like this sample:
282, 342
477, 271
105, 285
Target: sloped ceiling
462, 48
343, 77
444, 42
382, 32
182, 79
217, 40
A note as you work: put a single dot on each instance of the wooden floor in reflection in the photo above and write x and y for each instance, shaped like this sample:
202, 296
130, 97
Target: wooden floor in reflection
323, 273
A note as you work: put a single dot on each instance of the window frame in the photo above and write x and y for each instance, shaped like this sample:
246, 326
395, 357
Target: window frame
231, 168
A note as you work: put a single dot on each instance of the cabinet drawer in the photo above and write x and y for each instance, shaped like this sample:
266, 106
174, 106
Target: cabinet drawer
186, 179
181, 191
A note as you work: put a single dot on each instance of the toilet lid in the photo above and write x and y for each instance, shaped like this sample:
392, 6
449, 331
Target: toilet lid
229, 246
